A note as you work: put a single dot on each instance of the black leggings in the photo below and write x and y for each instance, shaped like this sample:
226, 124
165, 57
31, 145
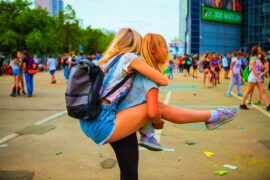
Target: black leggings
127, 154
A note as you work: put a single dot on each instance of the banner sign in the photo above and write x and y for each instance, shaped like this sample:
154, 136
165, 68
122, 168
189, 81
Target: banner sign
220, 15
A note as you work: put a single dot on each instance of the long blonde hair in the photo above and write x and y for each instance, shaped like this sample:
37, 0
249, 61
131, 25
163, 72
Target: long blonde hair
126, 41
152, 51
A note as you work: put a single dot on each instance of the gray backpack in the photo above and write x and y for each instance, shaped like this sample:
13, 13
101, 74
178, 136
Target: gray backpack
83, 88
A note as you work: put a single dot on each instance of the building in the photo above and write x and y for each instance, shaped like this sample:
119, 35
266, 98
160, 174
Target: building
53, 6
225, 25
213, 26
256, 24
46, 4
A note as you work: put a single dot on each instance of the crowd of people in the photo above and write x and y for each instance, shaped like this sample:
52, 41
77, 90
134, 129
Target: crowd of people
146, 57
23, 67
210, 65
236, 65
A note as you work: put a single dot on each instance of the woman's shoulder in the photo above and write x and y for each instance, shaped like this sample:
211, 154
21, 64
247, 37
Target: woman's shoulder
130, 56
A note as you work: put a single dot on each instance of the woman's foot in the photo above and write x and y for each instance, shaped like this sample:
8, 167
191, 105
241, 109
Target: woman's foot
224, 115
23, 92
13, 95
150, 142
240, 95
244, 107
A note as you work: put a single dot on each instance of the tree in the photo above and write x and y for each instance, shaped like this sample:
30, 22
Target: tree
96, 40
69, 29
34, 41
35, 30
9, 40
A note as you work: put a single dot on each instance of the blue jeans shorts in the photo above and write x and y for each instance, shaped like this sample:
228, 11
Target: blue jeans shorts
16, 72
226, 68
101, 128
52, 72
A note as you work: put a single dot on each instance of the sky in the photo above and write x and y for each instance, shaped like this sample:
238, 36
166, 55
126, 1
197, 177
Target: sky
156, 16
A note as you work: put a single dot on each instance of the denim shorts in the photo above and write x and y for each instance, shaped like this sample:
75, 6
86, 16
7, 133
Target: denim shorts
100, 129
252, 78
52, 72
16, 72
226, 68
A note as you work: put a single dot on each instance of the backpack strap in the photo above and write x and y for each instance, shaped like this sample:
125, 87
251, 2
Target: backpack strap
89, 63
113, 62
118, 85
121, 82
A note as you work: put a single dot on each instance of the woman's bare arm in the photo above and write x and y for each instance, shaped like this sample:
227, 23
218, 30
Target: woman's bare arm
149, 72
152, 108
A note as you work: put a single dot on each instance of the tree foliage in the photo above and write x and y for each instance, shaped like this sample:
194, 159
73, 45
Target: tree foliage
35, 30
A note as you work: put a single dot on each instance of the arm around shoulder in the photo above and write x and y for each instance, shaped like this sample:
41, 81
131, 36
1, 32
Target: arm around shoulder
149, 72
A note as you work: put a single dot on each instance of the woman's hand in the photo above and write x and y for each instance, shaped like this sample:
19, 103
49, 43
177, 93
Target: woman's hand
158, 125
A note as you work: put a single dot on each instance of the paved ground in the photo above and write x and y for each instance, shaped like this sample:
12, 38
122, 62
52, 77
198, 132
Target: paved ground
59, 150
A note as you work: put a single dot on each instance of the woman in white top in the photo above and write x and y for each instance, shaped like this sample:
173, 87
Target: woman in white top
16, 72
254, 78
52, 67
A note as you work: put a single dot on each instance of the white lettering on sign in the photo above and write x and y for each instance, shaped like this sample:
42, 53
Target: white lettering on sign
218, 15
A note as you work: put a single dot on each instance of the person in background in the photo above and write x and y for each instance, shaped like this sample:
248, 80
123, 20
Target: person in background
79, 57
189, 63
215, 66
254, 78
195, 63
2, 58
21, 84
36, 59
51, 63
236, 68
98, 56
92, 58
16, 72
180, 62
262, 74
226, 65
170, 67
184, 64
28, 77
65, 64
206, 69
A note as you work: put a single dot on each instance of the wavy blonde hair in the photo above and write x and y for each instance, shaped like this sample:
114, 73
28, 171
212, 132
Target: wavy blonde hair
153, 52
126, 41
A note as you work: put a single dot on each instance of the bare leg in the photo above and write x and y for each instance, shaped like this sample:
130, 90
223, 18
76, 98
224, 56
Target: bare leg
22, 82
262, 93
17, 79
137, 117
182, 115
13, 86
248, 91
251, 95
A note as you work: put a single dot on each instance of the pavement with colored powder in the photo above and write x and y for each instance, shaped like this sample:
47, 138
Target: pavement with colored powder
39, 140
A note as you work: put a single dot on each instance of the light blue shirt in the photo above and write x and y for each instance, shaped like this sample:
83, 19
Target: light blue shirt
51, 64
137, 94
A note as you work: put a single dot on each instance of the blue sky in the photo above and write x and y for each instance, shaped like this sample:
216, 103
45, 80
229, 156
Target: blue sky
158, 16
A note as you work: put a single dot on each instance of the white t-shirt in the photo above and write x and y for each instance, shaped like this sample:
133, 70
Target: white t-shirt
225, 62
51, 64
14, 65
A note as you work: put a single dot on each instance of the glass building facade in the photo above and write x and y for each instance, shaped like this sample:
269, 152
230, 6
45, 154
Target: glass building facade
52, 6
256, 24
203, 36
